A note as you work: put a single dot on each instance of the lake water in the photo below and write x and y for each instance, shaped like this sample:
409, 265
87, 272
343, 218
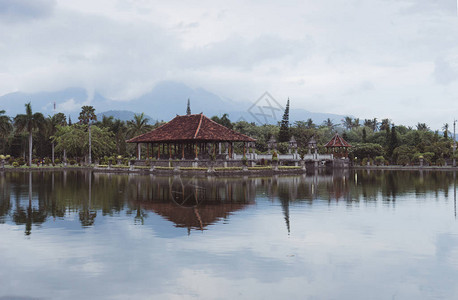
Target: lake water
340, 235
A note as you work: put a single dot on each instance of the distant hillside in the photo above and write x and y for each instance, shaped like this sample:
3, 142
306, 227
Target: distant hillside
163, 102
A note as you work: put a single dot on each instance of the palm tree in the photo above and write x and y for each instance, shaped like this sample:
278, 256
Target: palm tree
385, 124
29, 122
422, 127
347, 123
87, 115
5, 127
445, 128
58, 119
138, 125
328, 123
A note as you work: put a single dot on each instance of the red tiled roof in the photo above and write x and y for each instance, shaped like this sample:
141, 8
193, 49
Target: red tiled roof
337, 141
191, 128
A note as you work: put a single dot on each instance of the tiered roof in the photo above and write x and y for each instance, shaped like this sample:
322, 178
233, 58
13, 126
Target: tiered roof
188, 128
337, 141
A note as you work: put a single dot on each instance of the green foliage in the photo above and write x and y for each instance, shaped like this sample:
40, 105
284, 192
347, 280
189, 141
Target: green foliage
284, 134
379, 160
283, 147
74, 139
368, 150
15, 164
87, 115
224, 120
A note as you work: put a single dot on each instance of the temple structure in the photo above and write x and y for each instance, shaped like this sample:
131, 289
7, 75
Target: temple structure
338, 147
191, 137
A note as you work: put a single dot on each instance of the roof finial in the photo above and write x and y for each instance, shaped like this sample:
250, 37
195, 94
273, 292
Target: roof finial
188, 109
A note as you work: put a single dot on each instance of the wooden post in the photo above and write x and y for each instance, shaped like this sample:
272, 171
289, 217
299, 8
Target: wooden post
196, 151
139, 149
182, 151
244, 149
170, 152
158, 151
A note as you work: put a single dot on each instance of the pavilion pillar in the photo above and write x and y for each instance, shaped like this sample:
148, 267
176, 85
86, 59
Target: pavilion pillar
219, 148
226, 147
159, 151
139, 151
147, 150
244, 149
232, 150
170, 152
182, 151
196, 152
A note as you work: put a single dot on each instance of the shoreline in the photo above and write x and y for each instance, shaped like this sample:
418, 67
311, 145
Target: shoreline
229, 171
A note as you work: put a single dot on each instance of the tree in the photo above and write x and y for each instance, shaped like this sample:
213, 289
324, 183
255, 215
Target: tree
138, 125
328, 123
310, 124
284, 134
5, 127
188, 109
347, 123
87, 115
58, 119
385, 124
356, 123
445, 128
393, 144
28, 122
422, 127
224, 120
73, 140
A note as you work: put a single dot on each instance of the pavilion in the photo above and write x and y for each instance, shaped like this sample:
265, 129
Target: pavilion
338, 146
192, 136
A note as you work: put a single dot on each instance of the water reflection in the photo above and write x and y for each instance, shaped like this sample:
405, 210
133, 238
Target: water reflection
196, 202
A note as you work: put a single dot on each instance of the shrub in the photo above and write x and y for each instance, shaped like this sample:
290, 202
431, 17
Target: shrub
440, 162
72, 162
57, 161
379, 160
15, 164
21, 161
47, 161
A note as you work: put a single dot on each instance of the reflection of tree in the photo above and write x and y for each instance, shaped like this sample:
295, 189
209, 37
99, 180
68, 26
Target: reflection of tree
5, 202
30, 215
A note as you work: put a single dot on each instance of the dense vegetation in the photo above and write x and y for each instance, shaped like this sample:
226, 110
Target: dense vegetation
53, 138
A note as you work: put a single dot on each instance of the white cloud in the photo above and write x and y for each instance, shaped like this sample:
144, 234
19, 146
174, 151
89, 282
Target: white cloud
302, 49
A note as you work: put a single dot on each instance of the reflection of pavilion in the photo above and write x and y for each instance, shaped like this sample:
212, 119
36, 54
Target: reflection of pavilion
196, 203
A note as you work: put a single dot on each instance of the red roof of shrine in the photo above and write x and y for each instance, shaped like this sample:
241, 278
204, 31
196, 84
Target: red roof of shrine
337, 141
191, 128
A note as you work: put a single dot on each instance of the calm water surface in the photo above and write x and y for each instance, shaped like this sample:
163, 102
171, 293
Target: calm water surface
341, 235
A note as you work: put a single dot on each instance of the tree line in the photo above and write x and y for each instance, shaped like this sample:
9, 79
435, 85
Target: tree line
32, 137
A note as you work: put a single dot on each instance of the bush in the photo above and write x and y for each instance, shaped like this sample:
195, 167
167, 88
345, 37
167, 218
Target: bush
403, 160
20, 161
47, 161
15, 164
72, 162
379, 160
57, 161
440, 162
364, 161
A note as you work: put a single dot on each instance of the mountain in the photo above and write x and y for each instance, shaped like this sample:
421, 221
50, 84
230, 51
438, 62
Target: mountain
163, 102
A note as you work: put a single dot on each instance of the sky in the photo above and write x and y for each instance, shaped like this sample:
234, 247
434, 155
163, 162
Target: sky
395, 59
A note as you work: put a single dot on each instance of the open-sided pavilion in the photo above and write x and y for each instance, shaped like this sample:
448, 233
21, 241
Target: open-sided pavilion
192, 136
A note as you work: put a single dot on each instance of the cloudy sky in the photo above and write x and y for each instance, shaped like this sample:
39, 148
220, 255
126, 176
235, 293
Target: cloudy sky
394, 59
